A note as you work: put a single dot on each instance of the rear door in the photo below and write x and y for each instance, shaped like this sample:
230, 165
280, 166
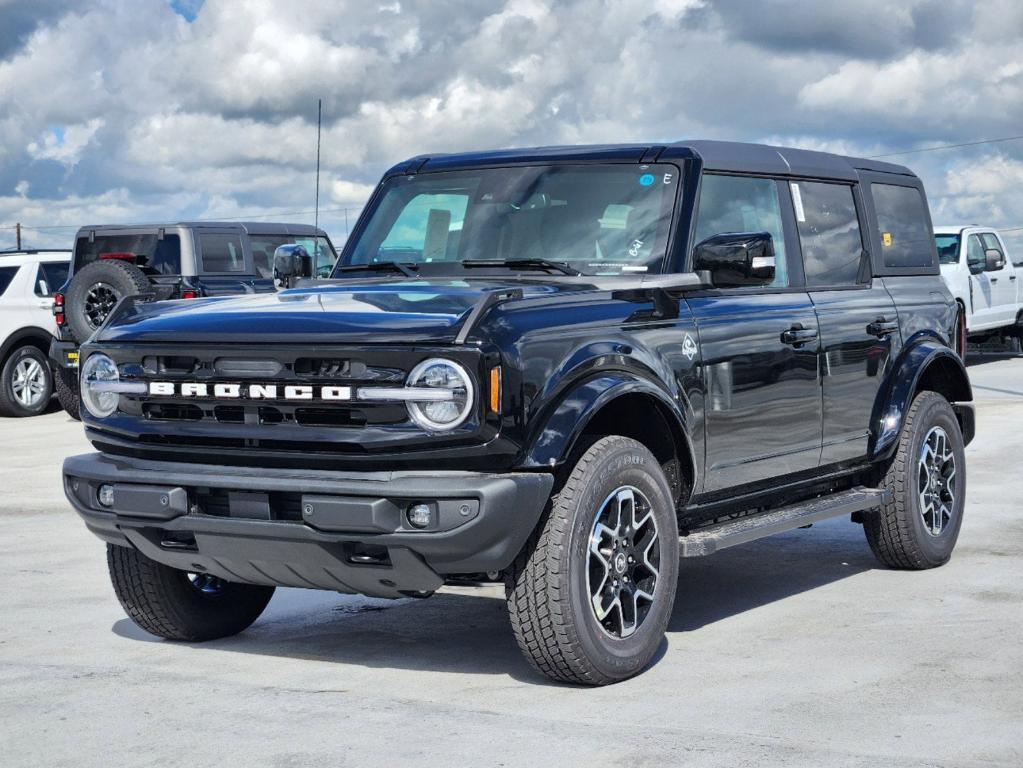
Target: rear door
759, 346
855, 313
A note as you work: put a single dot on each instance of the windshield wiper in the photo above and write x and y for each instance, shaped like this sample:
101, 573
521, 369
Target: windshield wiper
406, 268
551, 266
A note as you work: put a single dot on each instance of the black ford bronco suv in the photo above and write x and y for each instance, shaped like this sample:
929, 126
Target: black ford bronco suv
183, 260
559, 368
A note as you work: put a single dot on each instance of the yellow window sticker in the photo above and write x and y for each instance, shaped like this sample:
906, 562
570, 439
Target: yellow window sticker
886, 238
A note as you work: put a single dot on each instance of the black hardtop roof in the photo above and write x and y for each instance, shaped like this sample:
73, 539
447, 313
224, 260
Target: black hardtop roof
251, 227
716, 155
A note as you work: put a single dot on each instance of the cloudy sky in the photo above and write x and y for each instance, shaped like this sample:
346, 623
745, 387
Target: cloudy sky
140, 110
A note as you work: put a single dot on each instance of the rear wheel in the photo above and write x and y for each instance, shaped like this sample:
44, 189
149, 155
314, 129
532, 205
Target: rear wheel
918, 529
66, 385
178, 605
27, 383
591, 595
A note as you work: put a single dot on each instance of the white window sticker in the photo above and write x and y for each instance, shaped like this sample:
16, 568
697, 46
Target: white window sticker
797, 202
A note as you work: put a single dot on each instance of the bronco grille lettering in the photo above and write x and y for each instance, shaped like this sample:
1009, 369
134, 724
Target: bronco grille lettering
306, 392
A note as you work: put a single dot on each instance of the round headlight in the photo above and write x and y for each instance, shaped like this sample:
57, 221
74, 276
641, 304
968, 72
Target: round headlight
99, 368
452, 397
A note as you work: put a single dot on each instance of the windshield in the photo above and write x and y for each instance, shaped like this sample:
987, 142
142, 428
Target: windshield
948, 248
597, 219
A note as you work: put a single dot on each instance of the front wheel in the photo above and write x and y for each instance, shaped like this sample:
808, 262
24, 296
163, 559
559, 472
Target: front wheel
918, 529
177, 605
591, 595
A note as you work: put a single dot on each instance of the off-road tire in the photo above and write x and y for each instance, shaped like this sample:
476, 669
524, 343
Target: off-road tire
162, 601
10, 405
65, 384
123, 279
896, 531
546, 588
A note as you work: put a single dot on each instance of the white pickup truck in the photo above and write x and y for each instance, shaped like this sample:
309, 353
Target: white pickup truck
988, 286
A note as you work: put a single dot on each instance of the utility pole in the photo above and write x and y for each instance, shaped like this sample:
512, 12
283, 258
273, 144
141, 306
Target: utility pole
17, 230
319, 121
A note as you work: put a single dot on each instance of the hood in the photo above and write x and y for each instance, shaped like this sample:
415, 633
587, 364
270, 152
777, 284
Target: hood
378, 311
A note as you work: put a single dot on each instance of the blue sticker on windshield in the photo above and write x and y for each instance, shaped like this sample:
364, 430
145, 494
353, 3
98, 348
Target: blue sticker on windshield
646, 180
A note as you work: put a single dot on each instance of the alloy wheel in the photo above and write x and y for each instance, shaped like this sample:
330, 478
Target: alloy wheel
29, 382
623, 562
100, 299
936, 481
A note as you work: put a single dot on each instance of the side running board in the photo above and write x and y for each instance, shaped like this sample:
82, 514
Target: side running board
708, 540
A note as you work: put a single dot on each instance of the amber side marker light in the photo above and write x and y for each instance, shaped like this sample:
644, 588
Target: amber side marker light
495, 389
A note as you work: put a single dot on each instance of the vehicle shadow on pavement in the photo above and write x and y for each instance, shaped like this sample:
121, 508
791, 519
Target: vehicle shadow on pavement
753, 575
467, 631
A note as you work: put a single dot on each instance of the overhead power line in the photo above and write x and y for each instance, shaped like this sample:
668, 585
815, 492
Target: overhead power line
946, 146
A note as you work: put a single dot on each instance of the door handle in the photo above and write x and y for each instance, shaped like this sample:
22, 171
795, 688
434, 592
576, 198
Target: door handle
1012, 277
994, 279
882, 327
798, 335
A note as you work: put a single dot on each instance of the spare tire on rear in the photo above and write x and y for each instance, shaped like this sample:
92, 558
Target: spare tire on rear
95, 291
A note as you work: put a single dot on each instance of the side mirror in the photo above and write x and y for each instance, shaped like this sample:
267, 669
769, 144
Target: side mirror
291, 263
736, 258
993, 260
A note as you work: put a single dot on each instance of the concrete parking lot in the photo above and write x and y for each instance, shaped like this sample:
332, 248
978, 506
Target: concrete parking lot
796, 650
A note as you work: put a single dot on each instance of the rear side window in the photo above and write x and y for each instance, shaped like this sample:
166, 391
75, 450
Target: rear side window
906, 239
743, 204
50, 277
155, 256
6, 275
948, 248
829, 232
222, 252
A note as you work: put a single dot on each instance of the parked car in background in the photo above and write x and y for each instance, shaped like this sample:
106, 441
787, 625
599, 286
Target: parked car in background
184, 260
984, 281
28, 280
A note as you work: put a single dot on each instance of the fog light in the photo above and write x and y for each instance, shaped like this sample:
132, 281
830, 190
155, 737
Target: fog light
106, 495
419, 515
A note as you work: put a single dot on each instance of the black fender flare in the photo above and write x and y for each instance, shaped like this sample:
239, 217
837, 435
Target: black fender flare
30, 334
925, 360
554, 440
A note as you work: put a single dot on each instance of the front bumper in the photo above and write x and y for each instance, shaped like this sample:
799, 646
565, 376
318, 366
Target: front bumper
341, 531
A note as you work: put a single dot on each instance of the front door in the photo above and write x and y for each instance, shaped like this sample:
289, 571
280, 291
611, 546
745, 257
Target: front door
981, 288
759, 346
858, 323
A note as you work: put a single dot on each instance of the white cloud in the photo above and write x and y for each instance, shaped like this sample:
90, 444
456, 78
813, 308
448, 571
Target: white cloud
121, 109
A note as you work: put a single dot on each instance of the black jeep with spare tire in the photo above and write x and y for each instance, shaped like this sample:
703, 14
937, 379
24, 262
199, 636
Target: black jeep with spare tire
183, 260
559, 369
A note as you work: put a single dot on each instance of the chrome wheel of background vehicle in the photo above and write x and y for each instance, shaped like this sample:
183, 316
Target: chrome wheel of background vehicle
29, 382
624, 562
936, 481
100, 299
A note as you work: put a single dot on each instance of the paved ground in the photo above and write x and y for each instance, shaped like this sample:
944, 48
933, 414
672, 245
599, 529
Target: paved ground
797, 650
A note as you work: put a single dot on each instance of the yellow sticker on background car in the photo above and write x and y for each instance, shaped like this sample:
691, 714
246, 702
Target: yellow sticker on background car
886, 238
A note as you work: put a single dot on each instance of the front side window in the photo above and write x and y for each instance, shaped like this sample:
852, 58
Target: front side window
596, 219
320, 248
829, 232
743, 204
991, 244
222, 252
948, 248
153, 254
51, 276
975, 258
906, 238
